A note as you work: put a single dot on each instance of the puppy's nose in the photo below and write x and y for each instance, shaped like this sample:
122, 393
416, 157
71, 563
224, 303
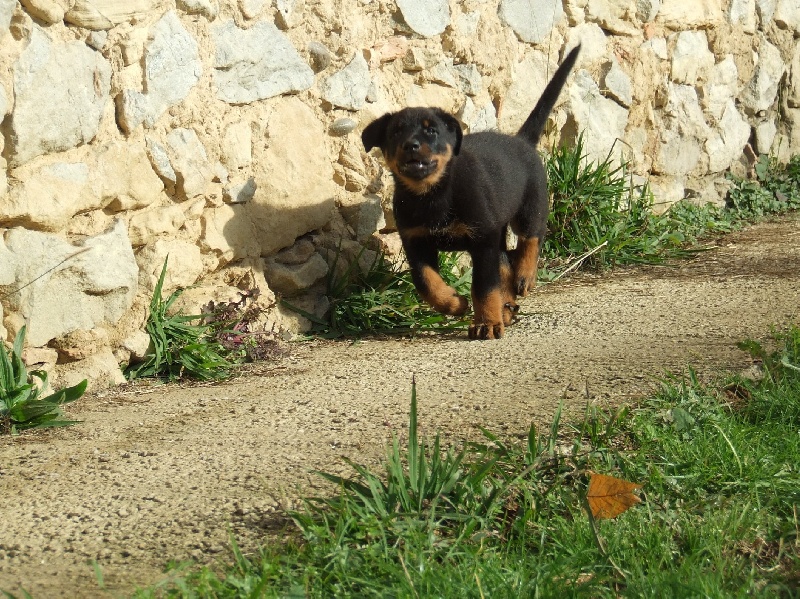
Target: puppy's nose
412, 145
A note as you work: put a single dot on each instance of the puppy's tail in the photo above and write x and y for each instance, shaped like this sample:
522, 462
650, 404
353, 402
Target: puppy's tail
532, 129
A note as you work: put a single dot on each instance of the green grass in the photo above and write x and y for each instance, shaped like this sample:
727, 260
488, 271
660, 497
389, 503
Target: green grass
22, 406
383, 300
599, 219
181, 346
721, 492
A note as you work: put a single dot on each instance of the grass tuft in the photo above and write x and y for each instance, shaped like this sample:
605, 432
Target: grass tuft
382, 299
21, 404
178, 347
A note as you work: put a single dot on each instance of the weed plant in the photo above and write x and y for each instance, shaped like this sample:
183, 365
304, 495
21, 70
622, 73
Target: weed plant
596, 206
180, 344
721, 490
382, 299
21, 404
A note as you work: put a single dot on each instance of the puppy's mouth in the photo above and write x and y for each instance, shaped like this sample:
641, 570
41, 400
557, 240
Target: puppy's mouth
418, 168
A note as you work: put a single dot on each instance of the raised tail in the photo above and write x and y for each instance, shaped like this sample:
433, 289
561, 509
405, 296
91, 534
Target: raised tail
532, 129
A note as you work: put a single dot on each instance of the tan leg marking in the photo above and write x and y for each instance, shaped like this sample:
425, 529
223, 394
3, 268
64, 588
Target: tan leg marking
441, 296
510, 306
488, 320
526, 264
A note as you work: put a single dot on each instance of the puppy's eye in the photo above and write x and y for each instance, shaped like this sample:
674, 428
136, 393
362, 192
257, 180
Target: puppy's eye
430, 131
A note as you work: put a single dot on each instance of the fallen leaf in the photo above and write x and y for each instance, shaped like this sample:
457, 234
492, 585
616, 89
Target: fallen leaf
608, 497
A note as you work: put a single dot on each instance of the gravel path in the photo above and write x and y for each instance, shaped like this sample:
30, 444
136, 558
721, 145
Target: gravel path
164, 472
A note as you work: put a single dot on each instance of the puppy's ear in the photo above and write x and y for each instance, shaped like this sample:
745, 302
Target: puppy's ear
374, 134
454, 126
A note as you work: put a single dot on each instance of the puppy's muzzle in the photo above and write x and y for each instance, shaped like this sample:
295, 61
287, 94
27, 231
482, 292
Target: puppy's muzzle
416, 161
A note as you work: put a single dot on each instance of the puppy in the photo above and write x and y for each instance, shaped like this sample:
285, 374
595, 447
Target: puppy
461, 193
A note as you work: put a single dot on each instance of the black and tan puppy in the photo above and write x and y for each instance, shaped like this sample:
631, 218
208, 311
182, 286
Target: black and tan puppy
461, 193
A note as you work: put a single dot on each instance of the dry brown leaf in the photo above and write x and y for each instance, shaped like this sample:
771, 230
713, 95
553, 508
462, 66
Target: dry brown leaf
608, 497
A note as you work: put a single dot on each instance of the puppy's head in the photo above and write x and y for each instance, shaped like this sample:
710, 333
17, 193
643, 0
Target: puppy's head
417, 143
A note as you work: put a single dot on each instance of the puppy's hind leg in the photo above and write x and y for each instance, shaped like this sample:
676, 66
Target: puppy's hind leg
530, 225
508, 289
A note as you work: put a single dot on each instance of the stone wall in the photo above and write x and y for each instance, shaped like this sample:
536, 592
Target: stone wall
225, 134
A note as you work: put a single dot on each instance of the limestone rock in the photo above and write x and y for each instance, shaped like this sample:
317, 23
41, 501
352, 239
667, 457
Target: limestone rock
138, 344
189, 160
228, 232
105, 14
100, 369
529, 77
61, 92
531, 20
3, 103
80, 344
251, 8
762, 90
593, 41
646, 10
256, 63
443, 74
765, 136
766, 10
743, 12
95, 285
48, 196
294, 186
793, 95
723, 83
146, 226
469, 79
291, 279
206, 8
365, 215
691, 60
240, 193
237, 145
49, 11
476, 118
6, 10
184, 267
787, 14
601, 120
612, 15
160, 161
348, 88
299, 253
683, 134
125, 177
172, 68
39, 358
727, 142
425, 17
680, 14
290, 13
617, 84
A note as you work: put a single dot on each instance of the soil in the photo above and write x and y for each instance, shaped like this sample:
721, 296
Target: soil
166, 472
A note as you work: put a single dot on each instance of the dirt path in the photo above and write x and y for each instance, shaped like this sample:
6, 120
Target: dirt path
156, 473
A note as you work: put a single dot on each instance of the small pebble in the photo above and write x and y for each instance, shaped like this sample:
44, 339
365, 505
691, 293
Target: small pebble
343, 126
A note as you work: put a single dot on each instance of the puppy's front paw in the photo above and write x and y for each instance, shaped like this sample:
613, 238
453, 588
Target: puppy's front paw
486, 330
456, 306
